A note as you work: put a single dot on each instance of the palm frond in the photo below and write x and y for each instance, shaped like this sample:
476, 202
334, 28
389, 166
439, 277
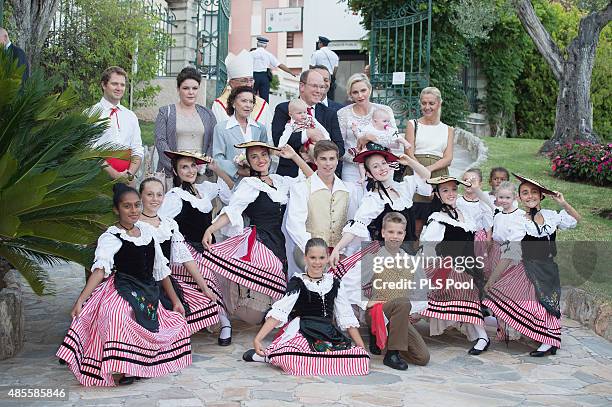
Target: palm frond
36, 277
50, 251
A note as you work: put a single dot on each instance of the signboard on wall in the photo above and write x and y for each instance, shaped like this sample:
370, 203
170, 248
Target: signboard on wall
288, 19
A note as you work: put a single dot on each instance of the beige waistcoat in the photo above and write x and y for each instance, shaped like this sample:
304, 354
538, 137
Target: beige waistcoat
327, 214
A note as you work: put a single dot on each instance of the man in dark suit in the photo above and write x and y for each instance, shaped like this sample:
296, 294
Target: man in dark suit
15, 51
322, 69
312, 90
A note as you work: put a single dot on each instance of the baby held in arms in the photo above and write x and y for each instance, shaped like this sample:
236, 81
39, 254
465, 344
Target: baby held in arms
380, 131
303, 121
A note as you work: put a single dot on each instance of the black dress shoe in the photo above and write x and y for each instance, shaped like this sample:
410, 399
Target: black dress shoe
226, 341
62, 362
125, 380
374, 349
475, 351
394, 361
541, 353
248, 355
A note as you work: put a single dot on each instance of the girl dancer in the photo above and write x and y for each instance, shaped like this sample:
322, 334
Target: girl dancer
190, 205
448, 238
254, 259
201, 308
310, 344
384, 195
526, 296
119, 325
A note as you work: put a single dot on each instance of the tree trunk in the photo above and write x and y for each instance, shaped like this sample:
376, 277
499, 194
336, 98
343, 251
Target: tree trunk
574, 115
32, 20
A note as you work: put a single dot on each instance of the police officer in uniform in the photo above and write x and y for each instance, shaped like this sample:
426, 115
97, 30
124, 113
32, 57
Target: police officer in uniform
262, 61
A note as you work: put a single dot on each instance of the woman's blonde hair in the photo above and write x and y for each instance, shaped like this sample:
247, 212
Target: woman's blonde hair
357, 77
432, 90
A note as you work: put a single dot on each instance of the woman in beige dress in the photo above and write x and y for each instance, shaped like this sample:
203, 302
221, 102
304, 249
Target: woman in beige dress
433, 147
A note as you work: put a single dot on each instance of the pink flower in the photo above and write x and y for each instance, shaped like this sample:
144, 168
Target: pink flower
554, 167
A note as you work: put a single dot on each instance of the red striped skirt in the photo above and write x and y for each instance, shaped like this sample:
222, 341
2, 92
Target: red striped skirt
513, 300
181, 274
202, 311
106, 339
480, 243
296, 358
244, 260
453, 304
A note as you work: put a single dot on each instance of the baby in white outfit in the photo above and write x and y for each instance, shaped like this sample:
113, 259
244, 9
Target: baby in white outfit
379, 131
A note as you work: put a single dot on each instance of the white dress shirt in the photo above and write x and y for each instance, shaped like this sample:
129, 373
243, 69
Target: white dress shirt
262, 59
297, 208
233, 122
326, 57
123, 130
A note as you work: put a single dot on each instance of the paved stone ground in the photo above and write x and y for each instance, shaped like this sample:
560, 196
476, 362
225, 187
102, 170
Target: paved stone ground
579, 375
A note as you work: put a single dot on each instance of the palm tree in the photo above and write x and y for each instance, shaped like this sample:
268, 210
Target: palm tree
54, 199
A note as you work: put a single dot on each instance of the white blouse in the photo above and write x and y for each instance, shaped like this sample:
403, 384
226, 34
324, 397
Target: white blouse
346, 118
553, 220
508, 231
168, 229
372, 205
173, 201
246, 192
479, 211
343, 312
434, 231
109, 245
431, 139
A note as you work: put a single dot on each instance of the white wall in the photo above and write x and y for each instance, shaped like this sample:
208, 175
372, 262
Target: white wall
332, 20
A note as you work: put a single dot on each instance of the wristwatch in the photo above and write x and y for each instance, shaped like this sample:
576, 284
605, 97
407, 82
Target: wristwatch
130, 176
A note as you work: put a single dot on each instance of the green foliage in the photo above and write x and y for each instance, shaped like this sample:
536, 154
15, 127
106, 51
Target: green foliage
275, 83
52, 189
501, 60
538, 88
521, 88
97, 34
448, 51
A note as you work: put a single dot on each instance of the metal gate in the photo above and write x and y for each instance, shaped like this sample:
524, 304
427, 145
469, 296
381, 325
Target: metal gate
400, 43
212, 39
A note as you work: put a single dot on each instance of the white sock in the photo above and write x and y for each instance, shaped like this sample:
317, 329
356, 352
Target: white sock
482, 335
544, 347
226, 332
257, 358
491, 321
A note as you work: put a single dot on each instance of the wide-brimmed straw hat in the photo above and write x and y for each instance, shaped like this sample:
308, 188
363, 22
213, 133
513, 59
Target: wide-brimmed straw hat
447, 178
173, 155
544, 190
256, 144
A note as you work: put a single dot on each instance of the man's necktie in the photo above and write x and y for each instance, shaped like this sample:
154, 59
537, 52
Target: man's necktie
309, 111
114, 111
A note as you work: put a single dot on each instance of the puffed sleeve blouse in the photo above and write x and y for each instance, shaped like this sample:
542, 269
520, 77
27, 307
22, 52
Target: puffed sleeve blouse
109, 244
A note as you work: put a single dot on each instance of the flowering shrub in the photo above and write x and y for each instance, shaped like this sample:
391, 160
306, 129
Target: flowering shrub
583, 162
